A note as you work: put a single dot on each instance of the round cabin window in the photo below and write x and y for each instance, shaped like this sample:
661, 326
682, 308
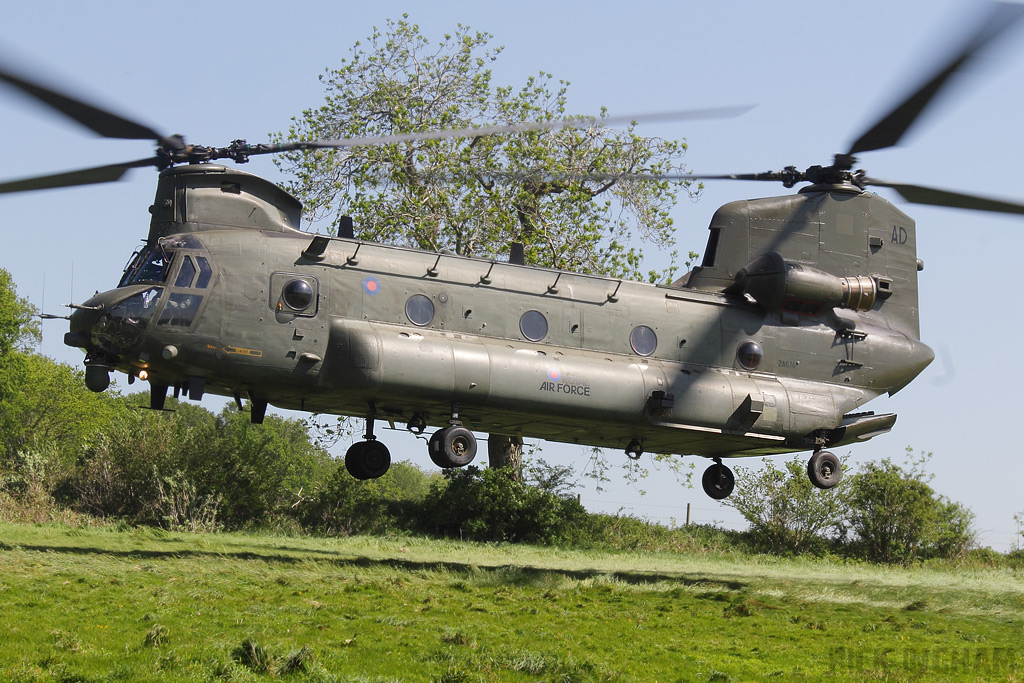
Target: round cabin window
297, 295
643, 340
533, 325
749, 355
419, 309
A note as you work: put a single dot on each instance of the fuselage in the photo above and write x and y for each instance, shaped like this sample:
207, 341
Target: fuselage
358, 328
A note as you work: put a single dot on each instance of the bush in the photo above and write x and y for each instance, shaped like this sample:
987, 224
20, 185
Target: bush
182, 508
786, 513
260, 470
897, 517
624, 532
491, 505
192, 469
349, 506
118, 476
26, 485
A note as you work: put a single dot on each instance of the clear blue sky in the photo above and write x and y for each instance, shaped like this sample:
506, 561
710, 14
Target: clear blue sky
818, 73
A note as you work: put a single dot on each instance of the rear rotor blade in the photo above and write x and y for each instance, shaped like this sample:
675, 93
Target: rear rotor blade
99, 120
85, 176
580, 122
918, 194
626, 176
888, 131
774, 176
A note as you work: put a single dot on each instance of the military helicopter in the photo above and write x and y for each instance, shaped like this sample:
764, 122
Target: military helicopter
804, 309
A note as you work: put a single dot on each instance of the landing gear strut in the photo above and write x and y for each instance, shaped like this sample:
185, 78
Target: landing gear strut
368, 459
718, 480
417, 424
824, 469
453, 446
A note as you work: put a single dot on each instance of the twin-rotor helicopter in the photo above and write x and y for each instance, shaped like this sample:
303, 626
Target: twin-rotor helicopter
804, 309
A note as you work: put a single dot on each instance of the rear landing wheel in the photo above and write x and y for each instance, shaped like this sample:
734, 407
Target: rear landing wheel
718, 481
824, 469
452, 447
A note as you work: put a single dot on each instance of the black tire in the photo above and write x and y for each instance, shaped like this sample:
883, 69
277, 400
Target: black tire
824, 470
452, 447
367, 459
718, 481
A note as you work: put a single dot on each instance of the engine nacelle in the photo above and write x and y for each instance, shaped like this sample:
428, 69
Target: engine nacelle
778, 285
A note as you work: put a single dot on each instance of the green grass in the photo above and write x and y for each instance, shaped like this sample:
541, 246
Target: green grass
108, 605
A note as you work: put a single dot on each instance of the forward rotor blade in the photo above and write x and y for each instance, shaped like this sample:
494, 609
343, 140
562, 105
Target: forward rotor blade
85, 176
581, 122
918, 194
888, 131
99, 120
766, 175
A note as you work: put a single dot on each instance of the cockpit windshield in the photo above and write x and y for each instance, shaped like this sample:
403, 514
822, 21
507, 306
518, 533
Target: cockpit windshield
149, 266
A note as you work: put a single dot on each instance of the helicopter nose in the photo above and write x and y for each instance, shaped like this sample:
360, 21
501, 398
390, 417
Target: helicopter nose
112, 324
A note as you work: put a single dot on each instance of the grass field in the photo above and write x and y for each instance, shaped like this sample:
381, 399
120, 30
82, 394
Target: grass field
108, 605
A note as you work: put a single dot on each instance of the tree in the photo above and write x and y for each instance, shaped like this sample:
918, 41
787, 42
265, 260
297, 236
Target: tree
19, 333
506, 451
562, 193
785, 511
568, 195
59, 410
1019, 519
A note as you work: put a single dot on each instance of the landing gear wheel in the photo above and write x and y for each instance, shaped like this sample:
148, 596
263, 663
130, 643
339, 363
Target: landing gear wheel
452, 447
718, 481
367, 459
824, 470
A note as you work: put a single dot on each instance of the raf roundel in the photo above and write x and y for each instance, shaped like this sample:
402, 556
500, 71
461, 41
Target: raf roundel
554, 375
371, 285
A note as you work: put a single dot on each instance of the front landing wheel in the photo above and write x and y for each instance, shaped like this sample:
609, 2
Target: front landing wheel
367, 459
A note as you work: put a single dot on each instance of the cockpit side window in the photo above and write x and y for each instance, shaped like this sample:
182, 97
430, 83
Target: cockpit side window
182, 307
186, 273
180, 310
205, 272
